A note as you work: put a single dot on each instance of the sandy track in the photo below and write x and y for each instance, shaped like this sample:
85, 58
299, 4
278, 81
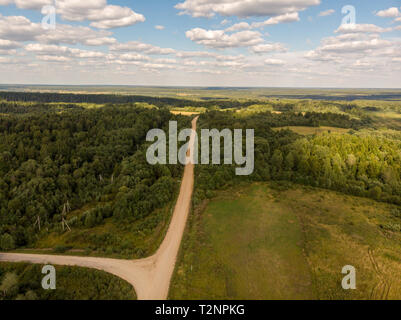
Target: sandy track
151, 276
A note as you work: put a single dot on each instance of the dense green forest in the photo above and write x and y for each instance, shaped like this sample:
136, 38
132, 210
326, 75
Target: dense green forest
55, 161
118, 99
27, 108
77, 161
362, 163
21, 281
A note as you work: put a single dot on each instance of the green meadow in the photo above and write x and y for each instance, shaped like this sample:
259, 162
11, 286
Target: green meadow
285, 241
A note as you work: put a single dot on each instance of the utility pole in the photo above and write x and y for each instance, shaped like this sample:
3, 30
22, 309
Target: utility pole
66, 210
37, 222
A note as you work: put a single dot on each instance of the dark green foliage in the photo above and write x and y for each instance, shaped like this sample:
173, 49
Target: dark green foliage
360, 164
7, 242
79, 156
117, 99
20, 281
18, 108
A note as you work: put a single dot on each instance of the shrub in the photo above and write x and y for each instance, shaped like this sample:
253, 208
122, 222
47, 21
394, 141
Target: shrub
7, 242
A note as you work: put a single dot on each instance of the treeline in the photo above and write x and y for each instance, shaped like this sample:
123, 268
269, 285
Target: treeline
351, 97
360, 164
50, 161
118, 99
309, 119
20, 281
18, 108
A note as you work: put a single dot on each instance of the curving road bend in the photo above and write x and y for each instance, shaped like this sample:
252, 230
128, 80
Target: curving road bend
150, 276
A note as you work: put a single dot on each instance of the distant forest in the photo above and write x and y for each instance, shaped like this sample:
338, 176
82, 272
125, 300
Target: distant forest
117, 99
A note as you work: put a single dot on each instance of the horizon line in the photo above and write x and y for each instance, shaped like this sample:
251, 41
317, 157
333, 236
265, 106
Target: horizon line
203, 87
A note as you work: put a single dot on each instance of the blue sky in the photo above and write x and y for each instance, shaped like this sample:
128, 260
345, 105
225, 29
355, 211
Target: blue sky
257, 43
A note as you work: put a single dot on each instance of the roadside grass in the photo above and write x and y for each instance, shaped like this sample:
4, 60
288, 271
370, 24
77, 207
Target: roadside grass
273, 241
128, 239
313, 130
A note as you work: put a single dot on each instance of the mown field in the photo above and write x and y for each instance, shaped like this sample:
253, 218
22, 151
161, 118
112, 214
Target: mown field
313, 130
285, 241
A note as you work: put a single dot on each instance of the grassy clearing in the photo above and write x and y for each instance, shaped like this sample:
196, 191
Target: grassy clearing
269, 242
188, 111
184, 113
127, 240
313, 130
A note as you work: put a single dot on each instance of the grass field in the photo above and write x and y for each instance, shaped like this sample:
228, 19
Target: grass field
266, 241
184, 113
127, 240
313, 130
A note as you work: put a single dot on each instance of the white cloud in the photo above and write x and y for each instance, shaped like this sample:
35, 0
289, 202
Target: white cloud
224, 22
361, 63
137, 46
5, 60
356, 46
5, 52
48, 50
19, 28
317, 55
195, 54
116, 17
241, 8
76, 34
27, 4
133, 57
389, 13
98, 41
268, 47
274, 62
239, 26
284, 18
101, 15
361, 28
356, 50
219, 39
327, 13
8, 44
159, 27
53, 58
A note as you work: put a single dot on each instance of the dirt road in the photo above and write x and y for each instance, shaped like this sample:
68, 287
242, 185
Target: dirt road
151, 276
